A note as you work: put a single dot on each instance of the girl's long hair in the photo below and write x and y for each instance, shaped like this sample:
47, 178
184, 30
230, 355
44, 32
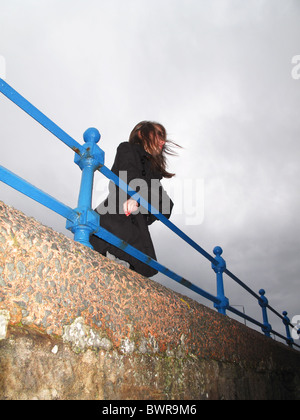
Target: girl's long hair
145, 134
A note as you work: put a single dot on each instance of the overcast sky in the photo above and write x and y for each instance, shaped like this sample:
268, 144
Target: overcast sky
217, 74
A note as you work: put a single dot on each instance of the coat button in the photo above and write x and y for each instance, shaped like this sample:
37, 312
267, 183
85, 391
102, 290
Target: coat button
143, 172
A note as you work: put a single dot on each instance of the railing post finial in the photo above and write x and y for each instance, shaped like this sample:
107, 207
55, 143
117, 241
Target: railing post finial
286, 322
263, 302
219, 270
91, 135
89, 161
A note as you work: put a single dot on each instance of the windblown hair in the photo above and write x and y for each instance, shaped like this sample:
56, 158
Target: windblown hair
145, 133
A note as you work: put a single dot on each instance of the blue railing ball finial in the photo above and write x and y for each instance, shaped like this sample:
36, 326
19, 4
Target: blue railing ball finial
91, 159
91, 135
219, 267
263, 302
262, 292
218, 251
286, 322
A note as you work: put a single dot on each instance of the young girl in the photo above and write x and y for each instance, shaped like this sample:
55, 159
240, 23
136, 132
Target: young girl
141, 163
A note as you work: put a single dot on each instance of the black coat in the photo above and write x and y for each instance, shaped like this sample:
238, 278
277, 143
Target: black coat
132, 164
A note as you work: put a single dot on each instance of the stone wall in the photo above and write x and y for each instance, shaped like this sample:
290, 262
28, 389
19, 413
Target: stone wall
74, 325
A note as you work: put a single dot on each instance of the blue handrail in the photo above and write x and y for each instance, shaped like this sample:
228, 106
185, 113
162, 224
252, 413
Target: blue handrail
36, 194
41, 118
83, 221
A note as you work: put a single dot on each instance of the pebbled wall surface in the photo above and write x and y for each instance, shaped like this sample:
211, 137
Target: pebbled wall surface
75, 325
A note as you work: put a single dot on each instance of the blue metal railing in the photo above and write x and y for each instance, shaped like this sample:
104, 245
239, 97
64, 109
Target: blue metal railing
83, 221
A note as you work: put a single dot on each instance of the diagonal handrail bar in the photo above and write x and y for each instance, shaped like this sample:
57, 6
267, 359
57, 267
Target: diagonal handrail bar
241, 283
245, 316
259, 324
45, 199
114, 240
120, 183
41, 118
36, 194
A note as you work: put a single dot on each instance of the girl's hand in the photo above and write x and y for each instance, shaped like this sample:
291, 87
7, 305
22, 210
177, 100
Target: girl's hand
130, 206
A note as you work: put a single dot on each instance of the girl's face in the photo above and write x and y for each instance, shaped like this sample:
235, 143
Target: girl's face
159, 141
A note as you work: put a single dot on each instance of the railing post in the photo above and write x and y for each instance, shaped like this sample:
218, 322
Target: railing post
263, 301
93, 158
219, 270
286, 322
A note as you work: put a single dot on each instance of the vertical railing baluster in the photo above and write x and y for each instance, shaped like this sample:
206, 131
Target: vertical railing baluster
263, 302
89, 161
219, 270
286, 322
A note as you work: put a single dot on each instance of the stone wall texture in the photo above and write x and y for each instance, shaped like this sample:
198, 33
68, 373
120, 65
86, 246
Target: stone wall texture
75, 325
